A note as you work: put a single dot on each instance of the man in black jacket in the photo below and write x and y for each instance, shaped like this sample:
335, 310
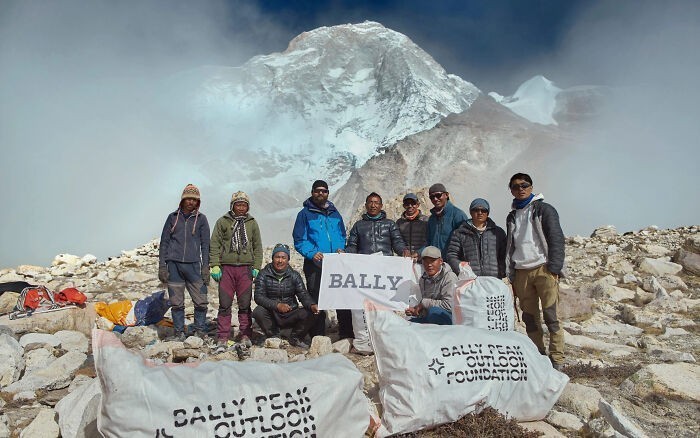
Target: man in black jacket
480, 242
277, 288
535, 261
413, 225
375, 232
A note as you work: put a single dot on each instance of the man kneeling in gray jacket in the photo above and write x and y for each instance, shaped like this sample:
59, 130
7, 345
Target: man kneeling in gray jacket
437, 284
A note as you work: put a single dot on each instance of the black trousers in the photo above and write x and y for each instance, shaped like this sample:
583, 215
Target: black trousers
313, 285
299, 319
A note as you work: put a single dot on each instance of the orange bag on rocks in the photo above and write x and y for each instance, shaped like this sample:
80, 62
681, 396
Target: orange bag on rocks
115, 312
71, 295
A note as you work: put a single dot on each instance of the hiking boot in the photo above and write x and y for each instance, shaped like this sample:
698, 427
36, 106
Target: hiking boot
221, 346
296, 342
557, 365
178, 337
200, 334
245, 342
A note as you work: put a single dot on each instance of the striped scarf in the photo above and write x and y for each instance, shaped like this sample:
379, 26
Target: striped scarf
239, 239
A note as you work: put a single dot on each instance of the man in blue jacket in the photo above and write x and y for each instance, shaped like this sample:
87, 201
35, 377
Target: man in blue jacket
319, 229
183, 261
444, 218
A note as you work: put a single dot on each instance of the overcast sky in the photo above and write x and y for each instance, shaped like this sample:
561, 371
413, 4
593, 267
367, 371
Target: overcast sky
87, 161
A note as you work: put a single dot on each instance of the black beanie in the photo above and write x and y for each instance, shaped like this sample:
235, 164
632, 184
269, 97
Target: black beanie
319, 183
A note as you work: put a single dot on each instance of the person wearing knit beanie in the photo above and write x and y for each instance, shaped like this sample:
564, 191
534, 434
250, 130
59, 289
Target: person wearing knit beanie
183, 261
236, 257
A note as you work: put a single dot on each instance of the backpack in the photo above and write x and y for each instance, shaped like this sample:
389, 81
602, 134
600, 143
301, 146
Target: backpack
32, 298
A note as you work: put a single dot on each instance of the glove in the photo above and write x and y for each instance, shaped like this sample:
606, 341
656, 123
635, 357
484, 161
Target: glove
205, 275
255, 272
163, 274
216, 273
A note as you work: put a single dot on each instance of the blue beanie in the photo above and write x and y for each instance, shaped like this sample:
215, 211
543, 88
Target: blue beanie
280, 247
480, 203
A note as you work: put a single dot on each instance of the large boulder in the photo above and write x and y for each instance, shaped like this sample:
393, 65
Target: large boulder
72, 340
56, 376
580, 399
43, 426
11, 360
139, 336
659, 267
77, 412
689, 260
8, 301
668, 380
74, 318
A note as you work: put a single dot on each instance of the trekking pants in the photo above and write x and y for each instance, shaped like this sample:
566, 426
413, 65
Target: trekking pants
299, 319
188, 276
235, 281
435, 315
533, 286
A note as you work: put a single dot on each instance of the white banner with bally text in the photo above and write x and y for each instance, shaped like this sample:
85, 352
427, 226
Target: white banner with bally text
347, 280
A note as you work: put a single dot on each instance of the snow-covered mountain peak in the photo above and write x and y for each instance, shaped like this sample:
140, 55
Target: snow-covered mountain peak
535, 100
328, 103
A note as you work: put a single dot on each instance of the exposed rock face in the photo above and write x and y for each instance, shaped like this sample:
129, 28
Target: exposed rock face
638, 328
477, 144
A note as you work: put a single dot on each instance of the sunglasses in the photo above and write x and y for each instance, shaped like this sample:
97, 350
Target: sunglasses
480, 210
321, 191
283, 245
436, 195
520, 186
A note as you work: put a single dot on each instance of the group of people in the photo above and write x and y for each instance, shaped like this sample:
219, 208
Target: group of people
530, 255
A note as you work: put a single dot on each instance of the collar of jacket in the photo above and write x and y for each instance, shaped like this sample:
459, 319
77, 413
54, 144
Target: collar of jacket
448, 206
382, 215
309, 204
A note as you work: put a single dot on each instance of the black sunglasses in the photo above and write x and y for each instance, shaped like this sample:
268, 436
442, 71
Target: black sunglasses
520, 186
283, 245
436, 195
480, 210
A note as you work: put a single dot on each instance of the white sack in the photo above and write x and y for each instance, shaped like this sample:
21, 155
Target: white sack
319, 397
484, 302
359, 329
430, 374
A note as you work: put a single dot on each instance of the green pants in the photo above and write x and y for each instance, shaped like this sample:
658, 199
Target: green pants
533, 286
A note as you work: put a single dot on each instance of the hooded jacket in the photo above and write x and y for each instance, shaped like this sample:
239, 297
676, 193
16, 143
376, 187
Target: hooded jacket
221, 252
318, 230
544, 221
414, 232
372, 235
440, 227
485, 251
272, 287
188, 242
437, 291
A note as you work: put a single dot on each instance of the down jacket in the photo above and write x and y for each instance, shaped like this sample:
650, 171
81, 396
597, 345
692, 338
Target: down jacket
272, 287
414, 232
485, 252
372, 235
545, 221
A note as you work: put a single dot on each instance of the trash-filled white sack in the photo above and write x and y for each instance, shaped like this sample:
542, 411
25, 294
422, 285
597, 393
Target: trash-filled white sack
319, 397
483, 302
430, 374
361, 342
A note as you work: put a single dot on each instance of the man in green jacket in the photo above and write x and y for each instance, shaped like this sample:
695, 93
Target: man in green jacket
235, 257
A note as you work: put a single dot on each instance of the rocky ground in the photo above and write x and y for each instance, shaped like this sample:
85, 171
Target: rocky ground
630, 306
